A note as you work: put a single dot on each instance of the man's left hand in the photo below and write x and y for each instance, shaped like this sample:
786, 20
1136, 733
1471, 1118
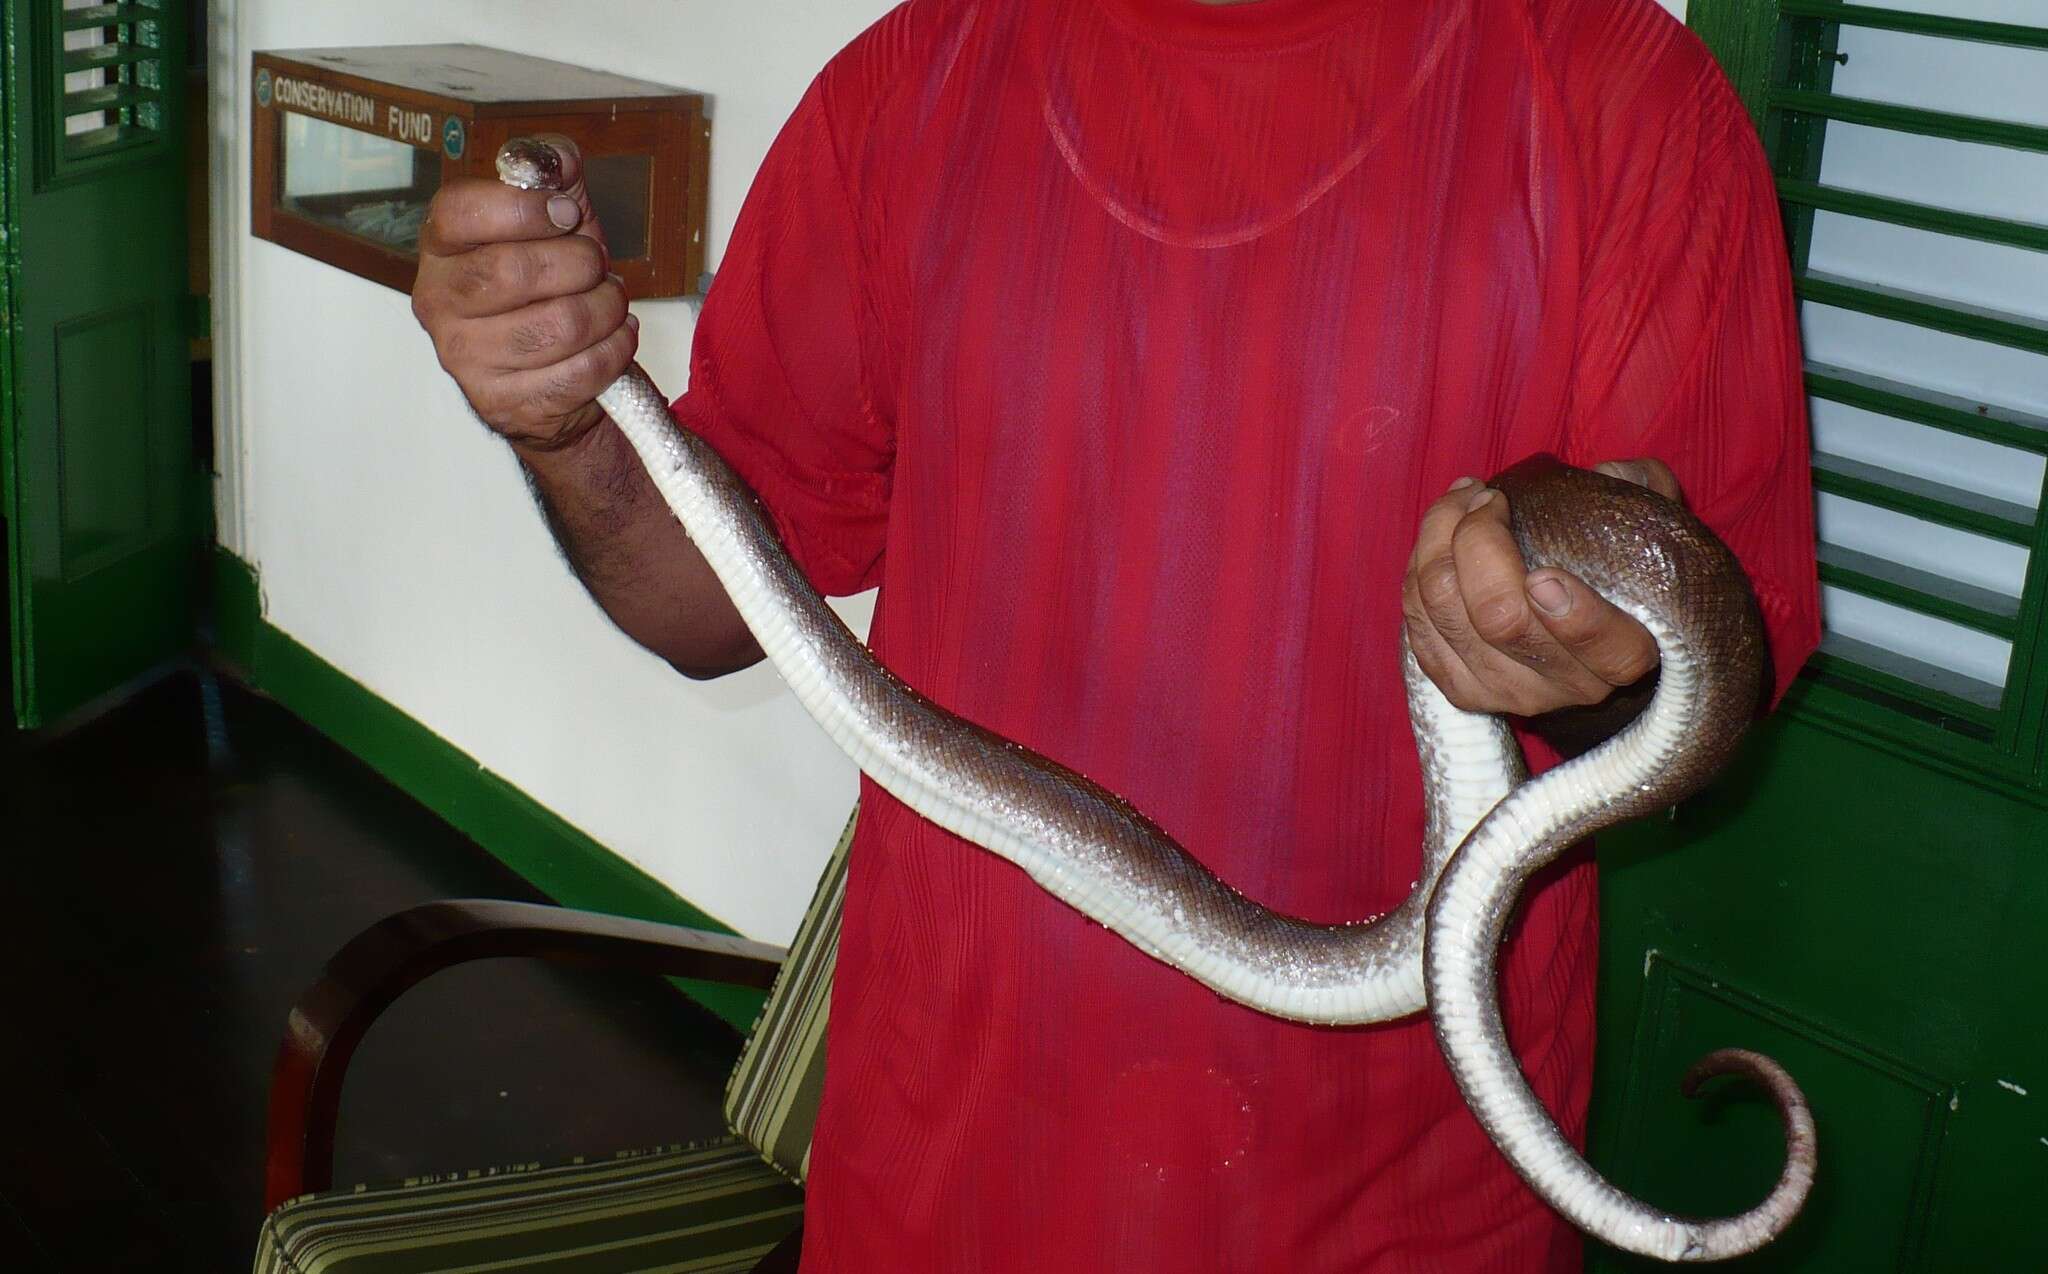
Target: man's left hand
1496, 637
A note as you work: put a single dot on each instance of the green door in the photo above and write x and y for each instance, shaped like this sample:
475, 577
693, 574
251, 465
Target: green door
96, 442
1865, 896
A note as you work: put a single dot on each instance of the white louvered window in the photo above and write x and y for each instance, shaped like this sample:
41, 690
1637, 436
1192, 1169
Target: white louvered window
1911, 147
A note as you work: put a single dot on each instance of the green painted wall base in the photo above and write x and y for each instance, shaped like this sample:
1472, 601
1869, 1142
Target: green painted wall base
525, 835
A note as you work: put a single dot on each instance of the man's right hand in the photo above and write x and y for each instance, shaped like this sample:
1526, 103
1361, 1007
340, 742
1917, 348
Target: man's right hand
515, 288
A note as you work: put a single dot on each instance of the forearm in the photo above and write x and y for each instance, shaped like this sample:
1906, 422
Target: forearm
632, 555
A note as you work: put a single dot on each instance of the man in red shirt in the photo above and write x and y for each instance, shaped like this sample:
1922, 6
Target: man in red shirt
1126, 345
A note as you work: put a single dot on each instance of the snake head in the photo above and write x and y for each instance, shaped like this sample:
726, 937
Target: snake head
530, 163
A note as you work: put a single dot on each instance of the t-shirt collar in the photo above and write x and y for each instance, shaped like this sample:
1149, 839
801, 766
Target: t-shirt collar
1252, 24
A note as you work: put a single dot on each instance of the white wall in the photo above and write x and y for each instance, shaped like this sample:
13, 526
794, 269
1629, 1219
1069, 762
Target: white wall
395, 539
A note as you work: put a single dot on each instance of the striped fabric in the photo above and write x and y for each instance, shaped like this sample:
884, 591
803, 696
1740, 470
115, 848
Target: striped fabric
702, 1209
772, 1098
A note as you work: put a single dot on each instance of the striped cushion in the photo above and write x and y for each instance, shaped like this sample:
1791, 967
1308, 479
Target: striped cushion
705, 1209
772, 1098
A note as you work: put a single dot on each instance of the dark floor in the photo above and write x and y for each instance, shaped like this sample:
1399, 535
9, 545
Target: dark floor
178, 869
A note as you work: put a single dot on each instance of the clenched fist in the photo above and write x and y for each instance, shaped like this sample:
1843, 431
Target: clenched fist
515, 288
1496, 637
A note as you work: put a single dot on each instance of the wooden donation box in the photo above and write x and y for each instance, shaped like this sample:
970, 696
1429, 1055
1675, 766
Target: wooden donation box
349, 146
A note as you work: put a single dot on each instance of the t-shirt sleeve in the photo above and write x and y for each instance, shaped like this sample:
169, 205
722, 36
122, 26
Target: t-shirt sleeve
1688, 347
783, 366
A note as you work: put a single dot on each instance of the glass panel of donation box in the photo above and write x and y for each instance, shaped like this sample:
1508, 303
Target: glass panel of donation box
368, 186
619, 188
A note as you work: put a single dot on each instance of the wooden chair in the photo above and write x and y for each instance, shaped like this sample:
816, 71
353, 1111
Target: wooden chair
732, 1204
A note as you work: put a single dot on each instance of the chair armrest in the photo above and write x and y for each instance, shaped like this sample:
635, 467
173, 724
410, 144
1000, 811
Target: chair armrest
382, 962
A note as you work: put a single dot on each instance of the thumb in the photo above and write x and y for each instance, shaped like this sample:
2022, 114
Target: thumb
564, 175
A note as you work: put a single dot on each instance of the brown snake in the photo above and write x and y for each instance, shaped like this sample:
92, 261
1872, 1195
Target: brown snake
1488, 830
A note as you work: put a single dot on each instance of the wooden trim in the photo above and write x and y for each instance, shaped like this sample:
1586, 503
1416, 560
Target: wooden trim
696, 219
265, 139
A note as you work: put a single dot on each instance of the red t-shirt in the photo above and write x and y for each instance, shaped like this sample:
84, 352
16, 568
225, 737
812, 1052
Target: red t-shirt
1122, 344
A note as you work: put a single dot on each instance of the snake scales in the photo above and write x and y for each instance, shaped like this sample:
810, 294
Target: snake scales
1487, 829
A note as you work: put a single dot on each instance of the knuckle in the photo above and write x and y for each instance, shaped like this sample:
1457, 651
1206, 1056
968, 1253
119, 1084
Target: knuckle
583, 260
475, 276
1500, 617
1620, 649
1436, 586
1525, 696
1438, 521
492, 406
577, 379
538, 335
1635, 666
520, 269
1526, 704
1476, 532
1582, 633
1452, 500
452, 346
507, 273
563, 385
1436, 665
515, 422
607, 359
459, 204
582, 321
575, 327
1440, 507
525, 420
1413, 613
1427, 657
432, 225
